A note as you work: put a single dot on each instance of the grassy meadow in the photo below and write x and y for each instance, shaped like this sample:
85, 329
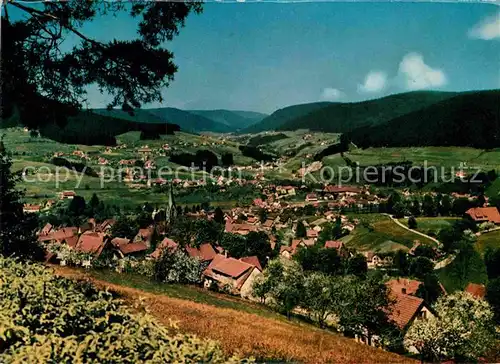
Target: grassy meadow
431, 225
379, 233
434, 156
241, 327
490, 239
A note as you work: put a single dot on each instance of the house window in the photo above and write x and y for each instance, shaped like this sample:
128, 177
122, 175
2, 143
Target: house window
423, 314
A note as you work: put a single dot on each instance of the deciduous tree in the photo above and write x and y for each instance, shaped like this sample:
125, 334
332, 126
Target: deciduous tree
462, 329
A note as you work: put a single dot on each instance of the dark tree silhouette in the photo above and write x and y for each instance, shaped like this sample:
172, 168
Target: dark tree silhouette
17, 229
44, 83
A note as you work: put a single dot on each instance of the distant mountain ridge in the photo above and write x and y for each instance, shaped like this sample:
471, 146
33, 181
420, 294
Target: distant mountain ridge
281, 116
194, 121
468, 119
343, 117
235, 119
408, 119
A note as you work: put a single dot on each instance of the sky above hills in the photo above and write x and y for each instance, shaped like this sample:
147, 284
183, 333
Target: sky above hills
264, 56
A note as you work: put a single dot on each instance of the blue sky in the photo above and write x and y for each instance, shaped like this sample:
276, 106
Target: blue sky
264, 56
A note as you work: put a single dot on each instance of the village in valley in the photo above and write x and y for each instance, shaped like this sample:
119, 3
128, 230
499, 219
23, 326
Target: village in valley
218, 182
348, 229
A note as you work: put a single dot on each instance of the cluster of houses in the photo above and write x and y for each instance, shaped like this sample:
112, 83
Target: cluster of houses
229, 274
234, 276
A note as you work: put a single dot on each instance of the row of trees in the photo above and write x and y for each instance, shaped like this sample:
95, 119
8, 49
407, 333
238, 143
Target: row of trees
349, 303
430, 206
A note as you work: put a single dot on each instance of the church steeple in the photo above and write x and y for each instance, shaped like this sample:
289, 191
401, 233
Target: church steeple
171, 210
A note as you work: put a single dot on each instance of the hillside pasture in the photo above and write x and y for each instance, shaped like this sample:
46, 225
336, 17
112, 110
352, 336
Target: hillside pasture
241, 327
431, 225
379, 233
488, 240
434, 156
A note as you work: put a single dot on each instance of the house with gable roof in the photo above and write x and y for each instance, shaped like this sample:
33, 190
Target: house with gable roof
230, 274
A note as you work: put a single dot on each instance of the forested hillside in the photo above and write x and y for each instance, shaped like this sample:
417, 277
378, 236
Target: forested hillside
469, 119
93, 129
234, 119
345, 117
189, 122
282, 116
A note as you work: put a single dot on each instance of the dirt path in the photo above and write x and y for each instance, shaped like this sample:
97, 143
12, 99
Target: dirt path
249, 334
413, 231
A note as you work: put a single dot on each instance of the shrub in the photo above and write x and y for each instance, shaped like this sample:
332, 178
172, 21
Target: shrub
54, 319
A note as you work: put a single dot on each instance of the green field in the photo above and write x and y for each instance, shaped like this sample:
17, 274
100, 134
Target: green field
494, 189
491, 239
428, 225
380, 233
434, 156
451, 279
37, 152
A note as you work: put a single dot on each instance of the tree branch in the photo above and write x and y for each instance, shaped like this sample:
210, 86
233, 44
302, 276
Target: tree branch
51, 16
4, 3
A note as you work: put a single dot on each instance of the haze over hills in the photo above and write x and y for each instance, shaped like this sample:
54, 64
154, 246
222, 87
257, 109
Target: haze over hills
281, 116
234, 119
188, 121
218, 121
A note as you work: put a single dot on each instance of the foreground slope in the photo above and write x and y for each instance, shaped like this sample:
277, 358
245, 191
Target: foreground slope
263, 336
48, 319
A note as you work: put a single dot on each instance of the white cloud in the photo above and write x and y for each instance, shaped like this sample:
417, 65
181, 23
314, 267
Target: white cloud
331, 94
416, 75
375, 81
487, 29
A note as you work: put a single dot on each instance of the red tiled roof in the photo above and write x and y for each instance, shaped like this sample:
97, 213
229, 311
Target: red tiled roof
92, 243
144, 234
477, 290
312, 233
308, 242
60, 234
268, 223
207, 252
405, 308
71, 241
107, 223
335, 244
120, 241
231, 267
484, 214
132, 248
398, 285
253, 260
46, 229
168, 243
339, 189
165, 243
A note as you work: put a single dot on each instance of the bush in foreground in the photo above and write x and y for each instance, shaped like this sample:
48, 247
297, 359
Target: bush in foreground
45, 318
